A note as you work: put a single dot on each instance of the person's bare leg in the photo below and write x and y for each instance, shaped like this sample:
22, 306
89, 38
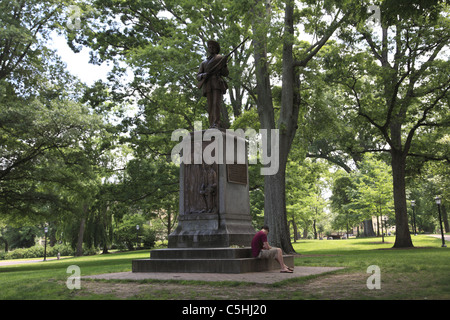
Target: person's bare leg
280, 260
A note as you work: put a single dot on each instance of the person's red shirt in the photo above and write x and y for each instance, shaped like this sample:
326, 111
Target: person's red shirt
258, 242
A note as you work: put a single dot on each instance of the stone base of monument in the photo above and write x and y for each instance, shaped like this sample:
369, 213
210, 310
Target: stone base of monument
214, 212
206, 260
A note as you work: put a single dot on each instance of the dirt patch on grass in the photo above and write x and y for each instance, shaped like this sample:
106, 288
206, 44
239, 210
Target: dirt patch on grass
169, 291
353, 286
123, 290
348, 286
325, 287
337, 286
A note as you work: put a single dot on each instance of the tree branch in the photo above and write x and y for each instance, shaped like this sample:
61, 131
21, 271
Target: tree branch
421, 121
428, 157
372, 46
314, 49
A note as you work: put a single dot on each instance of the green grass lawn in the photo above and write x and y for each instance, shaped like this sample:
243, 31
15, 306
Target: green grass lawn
419, 273
47, 280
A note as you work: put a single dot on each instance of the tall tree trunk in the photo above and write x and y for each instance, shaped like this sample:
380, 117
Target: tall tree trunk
305, 233
314, 228
6, 244
274, 184
368, 228
275, 209
294, 230
275, 202
169, 223
402, 236
79, 251
287, 124
378, 226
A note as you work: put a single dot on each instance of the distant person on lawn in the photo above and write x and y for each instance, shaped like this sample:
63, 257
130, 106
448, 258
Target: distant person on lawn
262, 250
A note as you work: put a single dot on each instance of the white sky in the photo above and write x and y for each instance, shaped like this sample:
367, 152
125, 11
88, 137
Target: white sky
78, 63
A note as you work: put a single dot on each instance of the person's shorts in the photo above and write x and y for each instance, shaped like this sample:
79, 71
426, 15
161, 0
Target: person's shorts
268, 254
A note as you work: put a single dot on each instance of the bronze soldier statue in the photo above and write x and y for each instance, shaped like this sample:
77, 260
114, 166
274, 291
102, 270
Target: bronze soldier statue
210, 79
213, 85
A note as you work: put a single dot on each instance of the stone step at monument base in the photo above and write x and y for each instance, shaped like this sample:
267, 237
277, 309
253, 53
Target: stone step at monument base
208, 260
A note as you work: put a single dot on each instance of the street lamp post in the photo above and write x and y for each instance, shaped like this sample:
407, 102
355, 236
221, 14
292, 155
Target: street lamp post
385, 225
137, 236
438, 202
45, 243
413, 205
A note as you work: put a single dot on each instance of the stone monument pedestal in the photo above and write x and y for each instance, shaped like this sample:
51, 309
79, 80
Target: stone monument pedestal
214, 198
214, 214
206, 260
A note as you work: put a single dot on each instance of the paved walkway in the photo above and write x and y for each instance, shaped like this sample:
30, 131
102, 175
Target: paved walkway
446, 237
13, 262
267, 277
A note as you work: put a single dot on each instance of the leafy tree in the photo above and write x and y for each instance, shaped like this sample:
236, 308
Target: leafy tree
127, 235
293, 59
40, 119
152, 186
364, 193
396, 79
26, 25
53, 142
23, 237
373, 192
341, 198
423, 187
305, 204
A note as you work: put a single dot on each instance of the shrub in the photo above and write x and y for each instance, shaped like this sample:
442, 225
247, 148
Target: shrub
37, 251
89, 251
34, 252
15, 254
148, 238
63, 249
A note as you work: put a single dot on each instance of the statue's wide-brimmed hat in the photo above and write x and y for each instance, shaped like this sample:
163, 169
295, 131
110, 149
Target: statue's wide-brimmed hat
214, 43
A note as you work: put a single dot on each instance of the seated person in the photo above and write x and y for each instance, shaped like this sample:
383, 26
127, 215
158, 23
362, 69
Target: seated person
262, 250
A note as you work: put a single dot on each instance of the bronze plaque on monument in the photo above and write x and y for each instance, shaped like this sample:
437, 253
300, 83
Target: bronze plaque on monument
237, 173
